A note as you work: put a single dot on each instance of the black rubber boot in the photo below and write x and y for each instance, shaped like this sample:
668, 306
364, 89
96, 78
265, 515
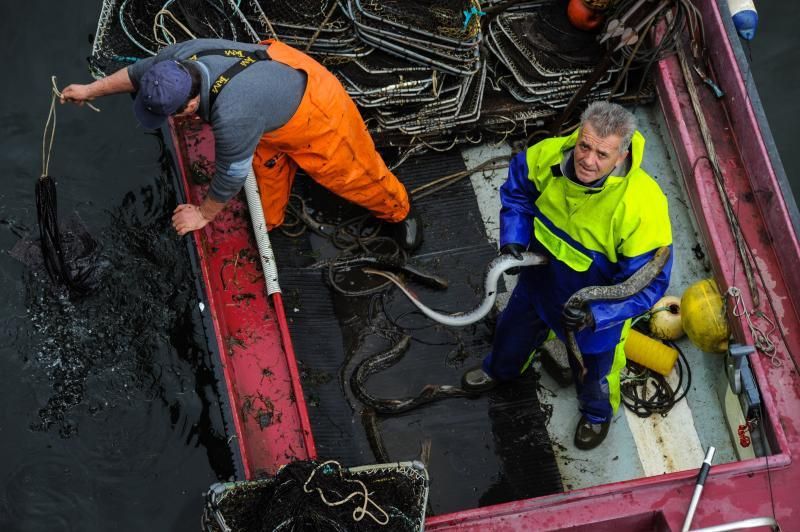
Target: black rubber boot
589, 435
475, 380
408, 233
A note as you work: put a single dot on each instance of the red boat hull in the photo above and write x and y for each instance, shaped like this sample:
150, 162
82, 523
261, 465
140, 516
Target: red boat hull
270, 416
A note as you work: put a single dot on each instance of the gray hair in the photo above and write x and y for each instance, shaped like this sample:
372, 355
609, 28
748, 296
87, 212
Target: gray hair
611, 119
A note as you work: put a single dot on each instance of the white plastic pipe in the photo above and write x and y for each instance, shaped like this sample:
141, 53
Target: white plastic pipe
268, 265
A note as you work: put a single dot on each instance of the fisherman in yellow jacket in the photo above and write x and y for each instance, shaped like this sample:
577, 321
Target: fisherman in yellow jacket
270, 107
585, 202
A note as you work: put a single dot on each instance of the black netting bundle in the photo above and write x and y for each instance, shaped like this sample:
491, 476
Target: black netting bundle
322, 497
47, 215
68, 252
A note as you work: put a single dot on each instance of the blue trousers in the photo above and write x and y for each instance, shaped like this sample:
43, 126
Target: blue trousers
520, 330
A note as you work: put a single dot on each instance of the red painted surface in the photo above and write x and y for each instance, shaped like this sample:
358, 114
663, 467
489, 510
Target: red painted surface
753, 488
263, 384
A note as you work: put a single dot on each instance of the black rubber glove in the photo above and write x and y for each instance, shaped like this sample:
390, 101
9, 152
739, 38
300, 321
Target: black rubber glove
515, 250
576, 319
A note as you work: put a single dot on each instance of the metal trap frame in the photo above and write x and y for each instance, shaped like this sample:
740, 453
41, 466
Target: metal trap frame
419, 32
129, 30
318, 26
417, 69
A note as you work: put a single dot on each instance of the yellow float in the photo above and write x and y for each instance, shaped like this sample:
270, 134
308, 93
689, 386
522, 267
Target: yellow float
665, 319
704, 318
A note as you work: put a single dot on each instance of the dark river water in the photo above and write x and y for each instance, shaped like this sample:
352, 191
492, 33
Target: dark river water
107, 418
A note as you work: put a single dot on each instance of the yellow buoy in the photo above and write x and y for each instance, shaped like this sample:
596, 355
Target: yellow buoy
650, 353
703, 316
665, 319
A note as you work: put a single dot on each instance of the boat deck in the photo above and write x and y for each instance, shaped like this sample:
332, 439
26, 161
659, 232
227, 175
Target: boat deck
643, 476
483, 451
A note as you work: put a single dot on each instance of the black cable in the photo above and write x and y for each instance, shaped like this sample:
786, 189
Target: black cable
634, 392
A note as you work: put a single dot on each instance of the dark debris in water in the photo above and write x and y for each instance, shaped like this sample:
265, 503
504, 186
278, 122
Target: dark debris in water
136, 338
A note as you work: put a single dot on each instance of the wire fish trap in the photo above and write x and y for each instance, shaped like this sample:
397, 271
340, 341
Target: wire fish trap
518, 6
545, 56
548, 30
130, 30
466, 110
383, 84
531, 64
504, 115
440, 21
542, 60
432, 33
310, 15
320, 497
459, 104
379, 73
318, 26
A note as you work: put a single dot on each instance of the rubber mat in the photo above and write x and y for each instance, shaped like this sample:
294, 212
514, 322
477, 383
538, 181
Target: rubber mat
482, 451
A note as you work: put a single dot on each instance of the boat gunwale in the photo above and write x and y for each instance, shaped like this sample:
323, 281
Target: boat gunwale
719, 237
295, 405
181, 165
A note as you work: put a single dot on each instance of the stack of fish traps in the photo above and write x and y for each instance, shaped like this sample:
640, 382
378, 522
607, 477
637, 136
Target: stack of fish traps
423, 72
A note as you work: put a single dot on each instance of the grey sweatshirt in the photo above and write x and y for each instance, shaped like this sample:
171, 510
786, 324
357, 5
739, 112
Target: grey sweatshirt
261, 98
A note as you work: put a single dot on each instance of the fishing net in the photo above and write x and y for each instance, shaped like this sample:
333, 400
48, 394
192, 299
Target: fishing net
322, 497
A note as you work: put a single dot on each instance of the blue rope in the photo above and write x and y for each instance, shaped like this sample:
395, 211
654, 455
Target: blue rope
468, 15
124, 59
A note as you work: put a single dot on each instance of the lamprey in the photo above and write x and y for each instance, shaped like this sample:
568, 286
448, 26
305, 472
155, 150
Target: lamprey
493, 272
627, 288
369, 419
386, 359
373, 263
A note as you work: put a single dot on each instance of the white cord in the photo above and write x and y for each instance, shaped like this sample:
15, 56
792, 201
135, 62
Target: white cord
158, 22
58, 93
761, 338
360, 511
51, 116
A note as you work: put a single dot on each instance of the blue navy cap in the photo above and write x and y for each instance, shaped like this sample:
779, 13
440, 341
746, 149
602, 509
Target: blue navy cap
163, 89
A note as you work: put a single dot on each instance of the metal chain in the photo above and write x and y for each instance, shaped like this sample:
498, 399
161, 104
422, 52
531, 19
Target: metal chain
761, 339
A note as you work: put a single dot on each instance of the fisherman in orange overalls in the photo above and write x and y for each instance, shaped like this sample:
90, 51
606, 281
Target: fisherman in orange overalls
271, 108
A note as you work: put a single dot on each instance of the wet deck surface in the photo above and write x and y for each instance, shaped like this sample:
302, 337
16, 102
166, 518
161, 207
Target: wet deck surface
516, 442
483, 451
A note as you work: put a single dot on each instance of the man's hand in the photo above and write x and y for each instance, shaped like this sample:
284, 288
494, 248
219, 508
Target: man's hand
515, 250
76, 93
575, 319
188, 217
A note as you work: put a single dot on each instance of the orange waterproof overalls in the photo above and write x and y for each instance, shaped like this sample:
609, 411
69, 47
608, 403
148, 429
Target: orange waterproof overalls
328, 139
